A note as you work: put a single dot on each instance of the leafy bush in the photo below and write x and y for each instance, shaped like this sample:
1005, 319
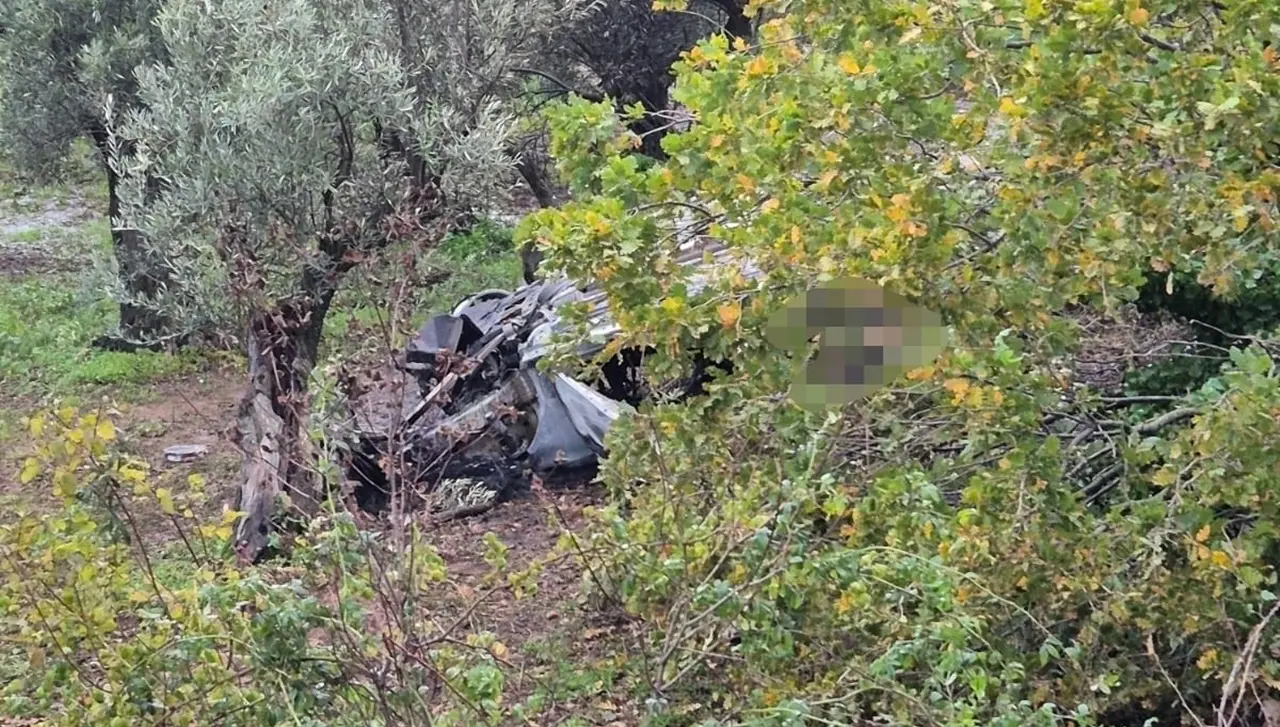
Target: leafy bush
103, 632
986, 542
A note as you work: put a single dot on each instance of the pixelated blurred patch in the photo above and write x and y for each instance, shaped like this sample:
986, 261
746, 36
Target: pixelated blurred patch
867, 337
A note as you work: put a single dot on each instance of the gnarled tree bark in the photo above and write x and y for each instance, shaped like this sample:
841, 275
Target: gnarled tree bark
272, 420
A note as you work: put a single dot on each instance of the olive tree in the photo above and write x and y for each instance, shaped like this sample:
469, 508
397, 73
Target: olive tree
296, 138
60, 62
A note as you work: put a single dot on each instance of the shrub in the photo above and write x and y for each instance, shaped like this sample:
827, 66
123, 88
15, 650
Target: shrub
103, 631
985, 542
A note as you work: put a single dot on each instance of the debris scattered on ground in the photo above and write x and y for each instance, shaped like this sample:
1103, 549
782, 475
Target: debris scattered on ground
180, 453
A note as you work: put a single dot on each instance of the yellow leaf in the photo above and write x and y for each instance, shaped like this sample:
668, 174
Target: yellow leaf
672, 305
165, 498
106, 431
64, 484
1220, 559
1009, 107
920, 374
1202, 534
729, 314
827, 177
844, 604
758, 66
957, 387
1139, 17
30, 470
717, 140
1164, 477
130, 473
1207, 659
36, 425
975, 397
770, 204
849, 65
498, 649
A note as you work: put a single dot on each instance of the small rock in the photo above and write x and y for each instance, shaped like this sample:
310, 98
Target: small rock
185, 452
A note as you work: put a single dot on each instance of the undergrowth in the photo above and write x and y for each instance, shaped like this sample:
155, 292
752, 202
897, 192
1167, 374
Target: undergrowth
425, 284
46, 331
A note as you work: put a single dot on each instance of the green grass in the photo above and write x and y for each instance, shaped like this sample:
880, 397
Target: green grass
46, 331
483, 258
26, 236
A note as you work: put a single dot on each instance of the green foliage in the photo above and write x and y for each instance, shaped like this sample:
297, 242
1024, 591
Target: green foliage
985, 544
1218, 322
480, 258
61, 60
55, 356
341, 634
425, 284
326, 133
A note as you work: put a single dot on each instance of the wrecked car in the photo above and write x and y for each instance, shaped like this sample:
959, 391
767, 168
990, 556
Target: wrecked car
471, 404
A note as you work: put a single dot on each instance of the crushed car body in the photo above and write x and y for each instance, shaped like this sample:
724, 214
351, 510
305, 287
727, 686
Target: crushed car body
470, 403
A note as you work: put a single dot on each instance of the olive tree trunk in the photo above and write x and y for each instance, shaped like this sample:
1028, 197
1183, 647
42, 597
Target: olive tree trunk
271, 422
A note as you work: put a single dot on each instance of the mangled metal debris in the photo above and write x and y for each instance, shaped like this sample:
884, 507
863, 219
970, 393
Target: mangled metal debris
480, 410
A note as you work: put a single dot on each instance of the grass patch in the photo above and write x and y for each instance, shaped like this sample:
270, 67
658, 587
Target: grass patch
46, 331
27, 236
484, 257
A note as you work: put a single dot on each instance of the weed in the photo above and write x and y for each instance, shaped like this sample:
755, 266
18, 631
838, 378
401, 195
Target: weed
32, 235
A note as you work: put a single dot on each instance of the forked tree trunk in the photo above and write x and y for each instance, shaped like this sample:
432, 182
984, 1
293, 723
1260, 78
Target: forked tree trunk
272, 421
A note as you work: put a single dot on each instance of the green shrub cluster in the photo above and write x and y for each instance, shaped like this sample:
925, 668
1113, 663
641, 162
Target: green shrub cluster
99, 629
